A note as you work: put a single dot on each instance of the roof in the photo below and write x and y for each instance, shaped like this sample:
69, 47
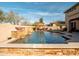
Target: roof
72, 7
61, 22
58, 22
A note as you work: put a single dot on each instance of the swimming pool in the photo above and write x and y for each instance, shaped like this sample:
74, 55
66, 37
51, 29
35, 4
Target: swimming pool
41, 37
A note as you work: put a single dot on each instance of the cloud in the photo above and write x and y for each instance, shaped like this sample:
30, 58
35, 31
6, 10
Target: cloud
46, 13
43, 13
31, 11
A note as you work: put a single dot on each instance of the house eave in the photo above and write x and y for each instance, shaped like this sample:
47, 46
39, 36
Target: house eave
71, 7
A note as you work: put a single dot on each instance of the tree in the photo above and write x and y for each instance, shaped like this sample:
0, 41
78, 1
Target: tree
18, 19
35, 23
41, 20
2, 17
11, 17
24, 23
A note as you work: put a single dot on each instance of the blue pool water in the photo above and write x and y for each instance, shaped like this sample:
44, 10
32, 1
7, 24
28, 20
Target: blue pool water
40, 37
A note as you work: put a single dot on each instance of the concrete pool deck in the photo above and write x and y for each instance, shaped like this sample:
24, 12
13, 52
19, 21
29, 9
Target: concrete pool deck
69, 45
5, 32
75, 36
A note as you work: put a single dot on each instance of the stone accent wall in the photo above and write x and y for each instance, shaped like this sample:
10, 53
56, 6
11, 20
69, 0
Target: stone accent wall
39, 51
21, 32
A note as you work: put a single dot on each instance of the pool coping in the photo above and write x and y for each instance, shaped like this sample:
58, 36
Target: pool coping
69, 45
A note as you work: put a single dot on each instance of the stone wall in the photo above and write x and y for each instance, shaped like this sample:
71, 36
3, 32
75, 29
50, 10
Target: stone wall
5, 31
39, 51
21, 32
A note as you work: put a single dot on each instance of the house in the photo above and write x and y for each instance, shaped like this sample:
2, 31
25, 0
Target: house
72, 18
58, 25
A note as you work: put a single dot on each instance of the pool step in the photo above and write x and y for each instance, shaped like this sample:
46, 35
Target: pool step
66, 37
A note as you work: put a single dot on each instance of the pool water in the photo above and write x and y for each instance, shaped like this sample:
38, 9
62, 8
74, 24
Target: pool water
40, 37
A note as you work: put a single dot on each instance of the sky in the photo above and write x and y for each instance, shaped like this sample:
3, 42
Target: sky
33, 11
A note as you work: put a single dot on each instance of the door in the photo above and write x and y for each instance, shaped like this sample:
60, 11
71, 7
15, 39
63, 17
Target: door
74, 26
